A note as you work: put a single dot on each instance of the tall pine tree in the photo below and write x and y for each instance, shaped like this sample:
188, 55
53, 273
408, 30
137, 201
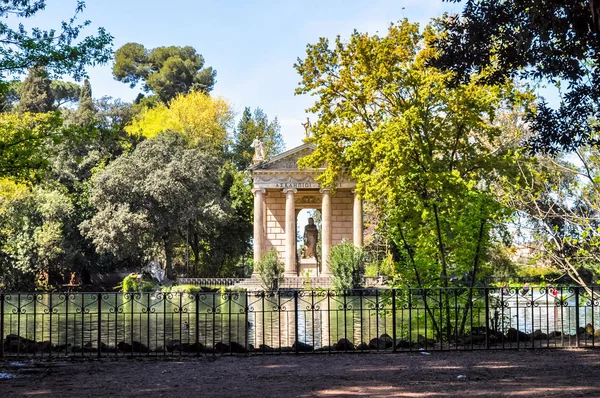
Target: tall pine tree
36, 95
86, 112
253, 126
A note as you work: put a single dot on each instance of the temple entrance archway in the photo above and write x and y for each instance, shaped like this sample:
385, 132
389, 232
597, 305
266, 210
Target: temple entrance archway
282, 191
308, 265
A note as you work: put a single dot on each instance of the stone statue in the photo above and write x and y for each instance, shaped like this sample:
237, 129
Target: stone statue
311, 237
259, 150
307, 127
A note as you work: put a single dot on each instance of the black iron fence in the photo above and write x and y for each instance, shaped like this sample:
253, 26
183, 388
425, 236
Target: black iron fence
293, 321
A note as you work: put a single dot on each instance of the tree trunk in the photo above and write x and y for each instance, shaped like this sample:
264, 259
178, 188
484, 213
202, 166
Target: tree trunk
195, 245
468, 306
421, 289
168, 257
444, 268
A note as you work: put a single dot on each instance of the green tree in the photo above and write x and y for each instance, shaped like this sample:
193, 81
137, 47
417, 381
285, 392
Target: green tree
9, 95
144, 198
64, 92
251, 126
33, 230
74, 161
26, 143
221, 235
61, 51
61, 91
165, 71
425, 152
539, 41
203, 119
86, 112
347, 265
558, 208
35, 93
270, 270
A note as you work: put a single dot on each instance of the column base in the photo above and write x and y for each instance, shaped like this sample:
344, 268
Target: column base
290, 274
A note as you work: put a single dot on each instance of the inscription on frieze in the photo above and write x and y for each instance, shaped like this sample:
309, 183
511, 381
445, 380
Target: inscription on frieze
296, 185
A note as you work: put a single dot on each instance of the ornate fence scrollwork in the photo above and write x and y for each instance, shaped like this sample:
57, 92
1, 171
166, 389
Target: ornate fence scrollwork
236, 322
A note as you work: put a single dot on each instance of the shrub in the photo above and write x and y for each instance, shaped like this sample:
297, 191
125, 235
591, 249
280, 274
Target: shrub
346, 263
183, 289
134, 283
532, 271
270, 269
383, 267
371, 270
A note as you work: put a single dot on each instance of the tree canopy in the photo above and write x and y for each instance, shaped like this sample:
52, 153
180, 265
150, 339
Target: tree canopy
554, 42
251, 126
424, 150
60, 50
145, 197
26, 142
33, 231
35, 92
165, 71
203, 119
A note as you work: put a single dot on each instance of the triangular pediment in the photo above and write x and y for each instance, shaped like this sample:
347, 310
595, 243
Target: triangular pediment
286, 161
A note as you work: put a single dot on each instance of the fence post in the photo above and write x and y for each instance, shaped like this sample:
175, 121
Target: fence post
295, 321
486, 291
2, 325
147, 322
132, 296
593, 323
99, 325
50, 316
246, 321
35, 324
394, 319
197, 323
229, 298
410, 339
577, 317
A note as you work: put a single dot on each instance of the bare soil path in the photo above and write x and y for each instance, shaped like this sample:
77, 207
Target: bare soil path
525, 373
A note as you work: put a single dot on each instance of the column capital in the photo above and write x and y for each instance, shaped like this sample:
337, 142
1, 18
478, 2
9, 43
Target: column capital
288, 190
325, 190
255, 190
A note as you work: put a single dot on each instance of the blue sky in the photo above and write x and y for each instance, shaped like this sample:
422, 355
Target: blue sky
252, 44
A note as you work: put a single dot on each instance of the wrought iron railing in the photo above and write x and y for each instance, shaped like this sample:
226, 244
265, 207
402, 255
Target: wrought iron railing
288, 321
209, 281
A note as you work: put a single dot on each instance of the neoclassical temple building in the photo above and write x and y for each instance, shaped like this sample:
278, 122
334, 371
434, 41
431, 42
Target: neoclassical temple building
281, 191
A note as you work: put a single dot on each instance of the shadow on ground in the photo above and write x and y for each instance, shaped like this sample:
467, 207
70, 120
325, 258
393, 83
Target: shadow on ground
525, 373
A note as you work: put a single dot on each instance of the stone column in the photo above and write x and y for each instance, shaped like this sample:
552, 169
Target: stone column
357, 221
326, 231
290, 232
259, 233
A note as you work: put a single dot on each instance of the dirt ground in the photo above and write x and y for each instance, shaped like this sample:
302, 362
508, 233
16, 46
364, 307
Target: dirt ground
539, 373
